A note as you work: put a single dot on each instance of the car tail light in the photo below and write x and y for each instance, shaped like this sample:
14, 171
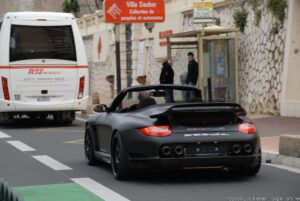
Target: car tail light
246, 128
5, 88
81, 87
157, 131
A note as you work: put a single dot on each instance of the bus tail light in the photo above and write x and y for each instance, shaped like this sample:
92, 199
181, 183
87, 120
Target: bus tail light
5, 88
81, 87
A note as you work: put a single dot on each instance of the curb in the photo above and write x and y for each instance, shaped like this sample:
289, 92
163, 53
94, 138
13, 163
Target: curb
82, 117
269, 157
279, 159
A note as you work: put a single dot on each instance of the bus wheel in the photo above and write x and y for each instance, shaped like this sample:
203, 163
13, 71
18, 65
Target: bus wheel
65, 117
7, 118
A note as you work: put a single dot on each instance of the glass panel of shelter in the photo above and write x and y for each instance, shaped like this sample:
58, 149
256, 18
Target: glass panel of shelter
219, 69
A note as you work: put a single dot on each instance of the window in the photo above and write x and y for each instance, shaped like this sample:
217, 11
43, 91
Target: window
33, 42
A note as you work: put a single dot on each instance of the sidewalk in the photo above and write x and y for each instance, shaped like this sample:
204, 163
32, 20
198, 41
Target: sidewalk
270, 128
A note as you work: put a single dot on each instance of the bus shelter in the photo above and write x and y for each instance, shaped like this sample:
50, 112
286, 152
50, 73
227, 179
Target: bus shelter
216, 51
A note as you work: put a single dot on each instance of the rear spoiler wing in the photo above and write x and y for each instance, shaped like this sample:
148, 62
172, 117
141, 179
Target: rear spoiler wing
203, 107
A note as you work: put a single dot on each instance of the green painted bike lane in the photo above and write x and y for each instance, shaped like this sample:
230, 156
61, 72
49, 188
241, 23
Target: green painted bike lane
56, 192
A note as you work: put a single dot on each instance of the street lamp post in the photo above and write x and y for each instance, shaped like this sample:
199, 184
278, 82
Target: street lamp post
118, 58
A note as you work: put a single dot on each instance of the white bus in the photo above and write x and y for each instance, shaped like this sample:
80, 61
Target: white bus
43, 66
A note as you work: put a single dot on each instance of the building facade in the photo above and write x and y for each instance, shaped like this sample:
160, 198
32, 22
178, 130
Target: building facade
268, 49
268, 52
86, 6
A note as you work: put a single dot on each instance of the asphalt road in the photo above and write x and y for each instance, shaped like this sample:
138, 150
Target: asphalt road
64, 144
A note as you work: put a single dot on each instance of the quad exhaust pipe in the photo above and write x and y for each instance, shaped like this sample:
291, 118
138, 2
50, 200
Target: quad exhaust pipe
247, 148
236, 148
166, 150
178, 150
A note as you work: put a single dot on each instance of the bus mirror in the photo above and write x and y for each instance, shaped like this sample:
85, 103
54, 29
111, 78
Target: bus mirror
100, 108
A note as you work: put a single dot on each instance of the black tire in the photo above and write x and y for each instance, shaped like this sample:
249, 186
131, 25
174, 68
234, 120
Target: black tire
43, 116
89, 149
248, 171
120, 168
68, 122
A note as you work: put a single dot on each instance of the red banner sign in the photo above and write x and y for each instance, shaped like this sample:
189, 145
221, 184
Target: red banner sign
163, 43
165, 34
134, 11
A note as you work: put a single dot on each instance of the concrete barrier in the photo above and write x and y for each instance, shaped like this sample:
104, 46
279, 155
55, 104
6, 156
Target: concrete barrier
289, 145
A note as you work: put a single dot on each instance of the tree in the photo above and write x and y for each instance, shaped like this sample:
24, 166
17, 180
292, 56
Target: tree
71, 6
98, 4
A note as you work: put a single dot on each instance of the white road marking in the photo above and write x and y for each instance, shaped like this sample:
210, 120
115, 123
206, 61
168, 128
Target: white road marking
4, 135
269, 151
20, 145
290, 169
81, 119
50, 162
99, 190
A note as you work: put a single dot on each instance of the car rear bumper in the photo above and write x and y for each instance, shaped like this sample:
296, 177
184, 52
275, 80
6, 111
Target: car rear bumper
146, 152
212, 161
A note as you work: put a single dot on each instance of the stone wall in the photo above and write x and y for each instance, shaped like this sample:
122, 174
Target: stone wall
261, 55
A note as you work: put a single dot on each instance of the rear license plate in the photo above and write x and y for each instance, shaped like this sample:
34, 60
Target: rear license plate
205, 149
43, 99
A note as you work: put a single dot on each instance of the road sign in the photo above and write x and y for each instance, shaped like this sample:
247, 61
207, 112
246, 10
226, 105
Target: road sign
203, 11
134, 11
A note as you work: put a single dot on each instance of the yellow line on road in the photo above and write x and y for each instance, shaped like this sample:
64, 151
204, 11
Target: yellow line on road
59, 130
74, 142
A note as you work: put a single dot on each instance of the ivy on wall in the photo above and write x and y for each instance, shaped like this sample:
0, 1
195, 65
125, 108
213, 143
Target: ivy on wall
217, 21
277, 7
258, 14
71, 6
240, 19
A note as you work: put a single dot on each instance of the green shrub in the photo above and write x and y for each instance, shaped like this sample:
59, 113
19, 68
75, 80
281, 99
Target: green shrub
240, 19
71, 6
277, 7
258, 14
217, 21
275, 29
254, 4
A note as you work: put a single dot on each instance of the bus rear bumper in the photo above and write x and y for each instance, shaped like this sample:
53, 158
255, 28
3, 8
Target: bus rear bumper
15, 106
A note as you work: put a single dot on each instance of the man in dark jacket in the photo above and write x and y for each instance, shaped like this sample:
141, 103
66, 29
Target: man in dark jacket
167, 77
192, 74
167, 73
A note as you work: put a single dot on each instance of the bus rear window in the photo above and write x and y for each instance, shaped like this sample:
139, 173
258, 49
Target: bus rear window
44, 42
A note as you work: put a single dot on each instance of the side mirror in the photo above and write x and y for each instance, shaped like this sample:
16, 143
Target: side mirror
100, 108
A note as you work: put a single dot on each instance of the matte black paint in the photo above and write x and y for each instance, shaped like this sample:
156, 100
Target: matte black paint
144, 151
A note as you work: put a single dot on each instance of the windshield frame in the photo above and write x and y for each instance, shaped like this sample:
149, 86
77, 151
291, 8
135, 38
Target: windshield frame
120, 97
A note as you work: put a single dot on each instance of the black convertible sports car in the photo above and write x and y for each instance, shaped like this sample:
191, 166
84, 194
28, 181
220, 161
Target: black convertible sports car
169, 126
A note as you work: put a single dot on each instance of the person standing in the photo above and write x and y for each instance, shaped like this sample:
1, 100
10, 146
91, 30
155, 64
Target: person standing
167, 73
167, 77
192, 74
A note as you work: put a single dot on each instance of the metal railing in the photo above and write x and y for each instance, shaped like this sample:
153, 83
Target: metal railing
7, 193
